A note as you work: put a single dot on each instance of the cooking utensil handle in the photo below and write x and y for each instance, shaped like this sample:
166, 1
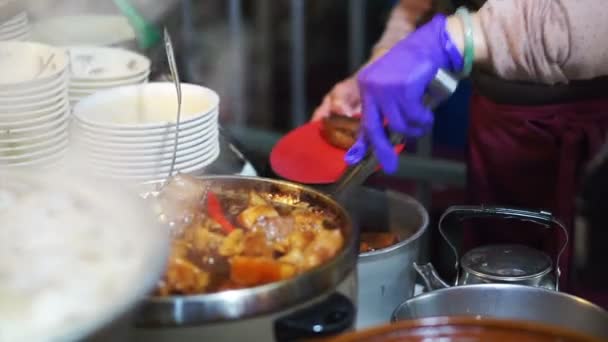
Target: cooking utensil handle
332, 316
543, 218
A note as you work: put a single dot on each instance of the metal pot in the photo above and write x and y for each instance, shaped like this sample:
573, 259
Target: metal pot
508, 301
512, 264
466, 329
386, 276
318, 303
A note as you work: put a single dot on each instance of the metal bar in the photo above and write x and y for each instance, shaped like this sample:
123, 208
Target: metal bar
237, 84
424, 149
442, 171
264, 51
357, 26
298, 63
187, 38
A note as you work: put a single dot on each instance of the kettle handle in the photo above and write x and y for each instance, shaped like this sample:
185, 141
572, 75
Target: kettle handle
542, 218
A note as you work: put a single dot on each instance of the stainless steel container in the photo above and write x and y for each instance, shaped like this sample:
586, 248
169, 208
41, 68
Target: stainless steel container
318, 303
386, 276
508, 301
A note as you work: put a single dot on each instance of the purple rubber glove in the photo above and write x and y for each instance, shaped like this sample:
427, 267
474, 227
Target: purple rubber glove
392, 90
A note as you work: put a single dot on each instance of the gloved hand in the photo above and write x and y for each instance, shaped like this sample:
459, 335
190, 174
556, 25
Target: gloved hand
393, 87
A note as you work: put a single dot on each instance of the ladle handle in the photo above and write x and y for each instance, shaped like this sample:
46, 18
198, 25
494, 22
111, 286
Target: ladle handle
441, 88
543, 218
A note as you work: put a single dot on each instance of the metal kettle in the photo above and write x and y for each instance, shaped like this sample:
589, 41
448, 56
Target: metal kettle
512, 264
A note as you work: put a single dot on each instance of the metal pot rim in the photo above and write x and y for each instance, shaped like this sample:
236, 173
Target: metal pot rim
504, 287
265, 299
508, 279
423, 228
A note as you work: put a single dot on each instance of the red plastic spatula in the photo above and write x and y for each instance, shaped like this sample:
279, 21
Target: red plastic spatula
304, 156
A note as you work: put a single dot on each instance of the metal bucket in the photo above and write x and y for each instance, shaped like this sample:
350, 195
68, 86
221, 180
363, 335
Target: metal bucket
387, 276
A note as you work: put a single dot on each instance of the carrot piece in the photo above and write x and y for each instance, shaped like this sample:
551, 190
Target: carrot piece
251, 271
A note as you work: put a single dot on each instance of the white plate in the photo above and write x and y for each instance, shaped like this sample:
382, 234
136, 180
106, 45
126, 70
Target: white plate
201, 124
98, 30
29, 64
156, 173
91, 63
161, 162
145, 106
32, 136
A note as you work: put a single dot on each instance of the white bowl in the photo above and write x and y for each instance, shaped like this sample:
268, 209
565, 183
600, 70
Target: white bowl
94, 63
185, 128
31, 99
30, 146
159, 172
79, 86
146, 106
34, 114
45, 126
51, 117
134, 150
26, 64
34, 106
129, 153
132, 165
41, 153
32, 136
146, 142
50, 85
100, 30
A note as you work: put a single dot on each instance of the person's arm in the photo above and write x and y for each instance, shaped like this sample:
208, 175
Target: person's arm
548, 41
402, 22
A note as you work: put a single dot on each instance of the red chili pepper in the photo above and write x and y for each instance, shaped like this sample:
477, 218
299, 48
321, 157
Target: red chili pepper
214, 208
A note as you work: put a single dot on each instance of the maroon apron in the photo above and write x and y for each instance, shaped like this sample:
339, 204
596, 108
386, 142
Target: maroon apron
533, 157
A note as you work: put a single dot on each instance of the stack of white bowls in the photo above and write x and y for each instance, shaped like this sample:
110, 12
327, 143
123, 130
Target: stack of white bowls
34, 107
128, 133
97, 30
15, 28
93, 69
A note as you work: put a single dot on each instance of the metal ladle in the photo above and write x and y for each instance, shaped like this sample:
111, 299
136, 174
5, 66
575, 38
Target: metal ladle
178, 87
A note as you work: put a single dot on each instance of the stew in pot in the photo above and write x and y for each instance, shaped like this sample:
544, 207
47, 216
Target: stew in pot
231, 239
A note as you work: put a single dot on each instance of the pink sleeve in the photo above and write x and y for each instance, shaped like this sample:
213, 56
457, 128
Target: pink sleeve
402, 21
550, 41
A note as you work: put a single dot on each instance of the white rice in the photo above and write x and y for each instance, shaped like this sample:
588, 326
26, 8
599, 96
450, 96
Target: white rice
73, 253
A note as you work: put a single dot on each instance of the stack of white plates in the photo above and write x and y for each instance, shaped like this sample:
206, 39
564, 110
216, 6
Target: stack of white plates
34, 107
128, 133
93, 69
15, 29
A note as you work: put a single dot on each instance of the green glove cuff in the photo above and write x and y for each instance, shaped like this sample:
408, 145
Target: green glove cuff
469, 46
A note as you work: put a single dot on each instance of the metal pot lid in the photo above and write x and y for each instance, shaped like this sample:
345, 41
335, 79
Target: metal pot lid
507, 262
